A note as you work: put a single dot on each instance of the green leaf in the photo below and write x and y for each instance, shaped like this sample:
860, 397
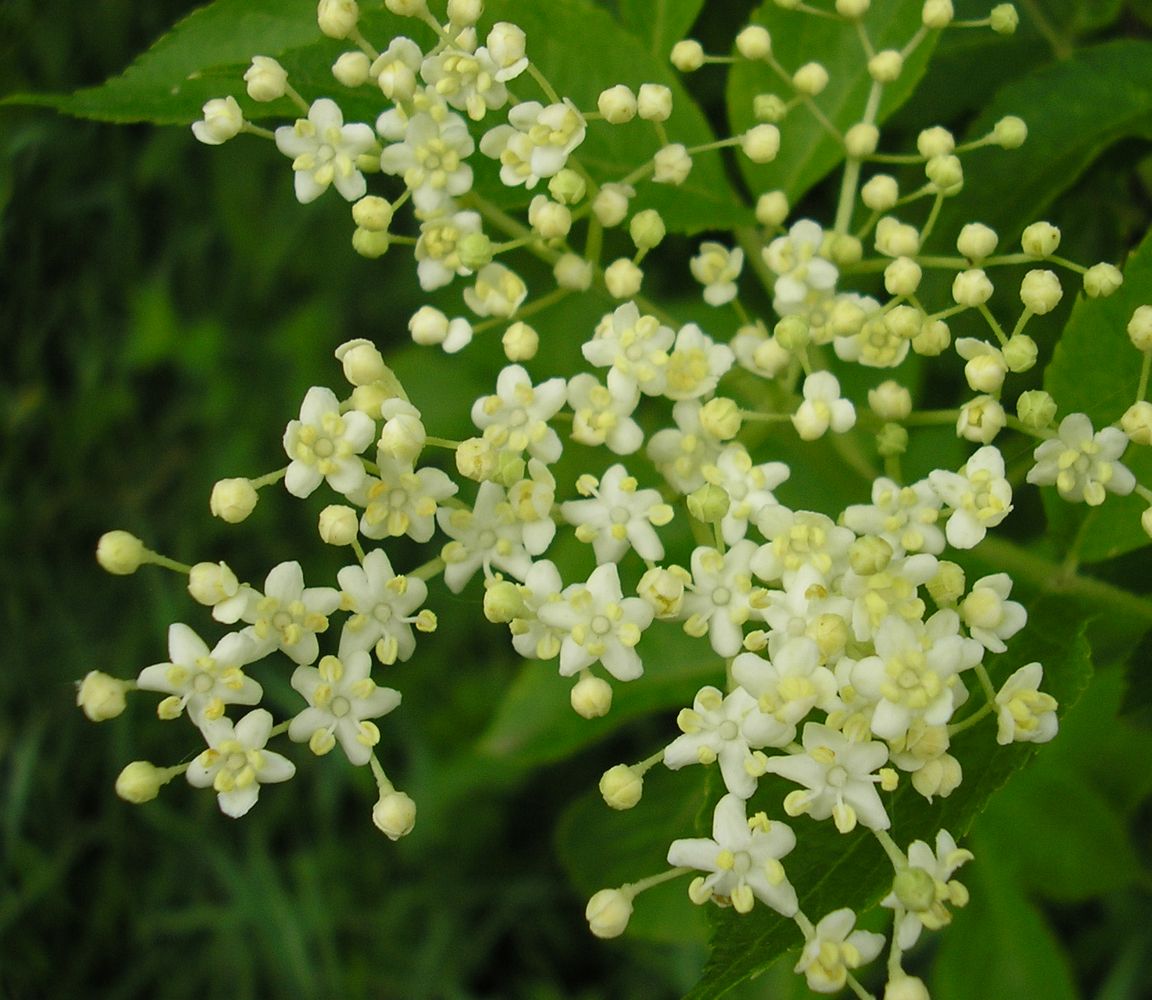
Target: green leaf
1074, 109
660, 23
807, 151
535, 723
831, 871
1096, 370
168, 84
558, 32
999, 945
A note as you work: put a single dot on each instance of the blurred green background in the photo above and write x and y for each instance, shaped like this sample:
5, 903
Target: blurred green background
163, 307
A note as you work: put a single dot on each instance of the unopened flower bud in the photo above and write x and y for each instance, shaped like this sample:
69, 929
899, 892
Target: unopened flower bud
940, 776
754, 42
609, 911
267, 80
897, 239
610, 206
591, 697
407, 8
476, 459
720, 417
672, 164
880, 193
935, 141
622, 786
1020, 353
915, 889
1040, 291
1101, 280
937, 14
844, 249
567, 187
861, 140
573, 272
654, 102
372, 213
502, 601
868, 555
1146, 521
371, 245
933, 339
506, 43
465, 12
338, 524
971, 288
946, 173
120, 553
617, 104
623, 278
1010, 132
709, 503
1140, 328
769, 108
362, 361
337, 18
663, 588
647, 229
947, 586
985, 372
772, 208
475, 251
233, 500
520, 342
890, 401
761, 143
141, 782
886, 66
810, 79
853, 10
902, 277
550, 219
1137, 422
394, 815
1036, 409
1004, 20
210, 583
977, 241
351, 69
101, 696
687, 55
222, 121
906, 987
981, 419
892, 439
1040, 239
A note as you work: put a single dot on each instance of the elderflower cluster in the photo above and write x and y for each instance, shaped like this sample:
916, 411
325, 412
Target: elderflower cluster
848, 648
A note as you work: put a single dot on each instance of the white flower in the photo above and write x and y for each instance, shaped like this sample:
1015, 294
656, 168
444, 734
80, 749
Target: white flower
341, 696
599, 623
532, 501
469, 81
990, 616
790, 685
749, 487
402, 501
324, 151
603, 415
1024, 713
681, 453
531, 637
236, 763
726, 729
382, 606
634, 345
696, 364
395, 69
986, 367
797, 539
822, 408
431, 159
839, 776
486, 536
618, 516
199, 680
222, 121
722, 597
891, 591
924, 890
506, 47
536, 143
516, 417
288, 616
717, 268
904, 516
438, 250
834, 948
979, 495
743, 858
324, 444
497, 292
803, 276
1083, 465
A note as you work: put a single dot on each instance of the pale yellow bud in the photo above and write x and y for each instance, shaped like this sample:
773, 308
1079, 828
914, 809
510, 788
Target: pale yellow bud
761, 143
647, 229
567, 187
754, 42
101, 696
687, 55
709, 503
394, 815
1137, 422
617, 104
721, 418
1101, 280
1020, 353
120, 553
520, 342
890, 401
861, 140
337, 18
339, 524
772, 208
654, 102
351, 69
609, 911
622, 786
1040, 239
141, 782
591, 697
937, 14
623, 278
1040, 291
977, 241
1010, 132
886, 66
810, 79
1004, 20
1036, 409
880, 193
373, 213
1140, 328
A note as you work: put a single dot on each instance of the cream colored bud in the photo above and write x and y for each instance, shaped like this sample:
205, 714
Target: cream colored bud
769, 108
663, 588
761, 143
210, 583
339, 524
1101, 280
1040, 239
937, 14
772, 208
792, 333
654, 102
971, 288
1146, 521
946, 173
1010, 132
977, 241
101, 696
609, 911
844, 249
371, 245
985, 372
502, 601
647, 229
1040, 291
610, 206
507, 43
222, 121
890, 401
947, 586
1036, 409
120, 553
981, 419
428, 326
363, 363
853, 10
591, 697
754, 42
861, 140
510, 468
550, 219
475, 251
880, 193
567, 187
407, 8
906, 987
337, 18
1020, 353
1004, 20
892, 439
476, 459
622, 786
897, 239
902, 277
721, 418
886, 66
1140, 328
573, 272
267, 80
810, 79
141, 782
233, 500
941, 776
869, 555
904, 321
846, 318
687, 55
520, 342
915, 889
465, 12
933, 339
394, 815
623, 278
617, 104
372, 213
709, 503
935, 141
352, 69
402, 437
1137, 422
672, 164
